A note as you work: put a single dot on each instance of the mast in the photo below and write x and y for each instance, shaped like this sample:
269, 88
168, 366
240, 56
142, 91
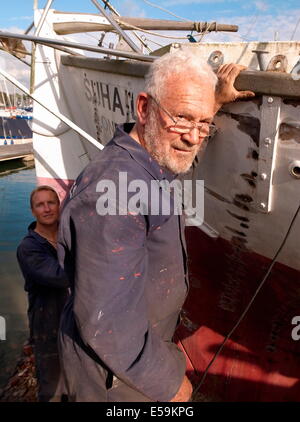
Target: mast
115, 25
2, 96
7, 93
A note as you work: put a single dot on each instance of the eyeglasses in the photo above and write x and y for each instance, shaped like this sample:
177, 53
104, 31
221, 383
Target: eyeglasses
182, 125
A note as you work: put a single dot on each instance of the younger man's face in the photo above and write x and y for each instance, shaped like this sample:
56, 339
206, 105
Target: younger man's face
45, 207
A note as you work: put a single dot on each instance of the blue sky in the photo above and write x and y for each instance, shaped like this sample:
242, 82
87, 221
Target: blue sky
262, 20
255, 17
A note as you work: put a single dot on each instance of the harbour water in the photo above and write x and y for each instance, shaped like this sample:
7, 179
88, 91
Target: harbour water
16, 182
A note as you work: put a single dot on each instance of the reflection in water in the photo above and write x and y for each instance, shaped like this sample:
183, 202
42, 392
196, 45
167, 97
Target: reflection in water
16, 183
14, 166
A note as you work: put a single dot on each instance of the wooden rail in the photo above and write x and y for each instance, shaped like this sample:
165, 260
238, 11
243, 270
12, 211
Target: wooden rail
264, 83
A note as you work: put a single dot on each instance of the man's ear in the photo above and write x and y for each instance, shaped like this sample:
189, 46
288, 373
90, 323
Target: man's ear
142, 104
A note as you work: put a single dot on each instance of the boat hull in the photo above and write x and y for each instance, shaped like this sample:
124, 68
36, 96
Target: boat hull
260, 362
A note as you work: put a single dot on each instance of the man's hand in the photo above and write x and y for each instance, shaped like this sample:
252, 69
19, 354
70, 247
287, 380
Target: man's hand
185, 391
225, 91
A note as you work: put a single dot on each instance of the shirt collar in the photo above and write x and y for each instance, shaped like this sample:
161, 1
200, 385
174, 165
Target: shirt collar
33, 233
140, 154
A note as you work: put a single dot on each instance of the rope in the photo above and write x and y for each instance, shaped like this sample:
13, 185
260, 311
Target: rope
167, 11
154, 42
249, 304
204, 31
252, 25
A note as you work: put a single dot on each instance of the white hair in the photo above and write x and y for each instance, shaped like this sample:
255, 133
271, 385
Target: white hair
188, 61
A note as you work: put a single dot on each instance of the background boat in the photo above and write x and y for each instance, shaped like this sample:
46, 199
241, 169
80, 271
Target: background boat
15, 115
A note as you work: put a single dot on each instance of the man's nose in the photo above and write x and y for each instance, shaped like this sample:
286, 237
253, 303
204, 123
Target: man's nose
47, 207
193, 137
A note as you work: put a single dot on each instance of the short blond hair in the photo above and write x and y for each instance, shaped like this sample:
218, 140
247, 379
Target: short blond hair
41, 188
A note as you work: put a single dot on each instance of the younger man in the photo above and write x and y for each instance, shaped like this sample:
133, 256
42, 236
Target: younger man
47, 288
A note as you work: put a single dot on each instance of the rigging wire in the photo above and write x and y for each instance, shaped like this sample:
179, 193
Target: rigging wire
240, 37
11, 55
154, 42
202, 34
294, 32
254, 22
165, 10
245, 36
92, 36
249, 304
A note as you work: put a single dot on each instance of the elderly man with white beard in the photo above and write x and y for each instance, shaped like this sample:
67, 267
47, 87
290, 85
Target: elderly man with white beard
128, 269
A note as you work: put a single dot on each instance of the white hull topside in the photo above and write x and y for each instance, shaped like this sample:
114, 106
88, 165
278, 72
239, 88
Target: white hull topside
244, 174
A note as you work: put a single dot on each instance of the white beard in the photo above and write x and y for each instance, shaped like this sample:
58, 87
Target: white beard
162, 152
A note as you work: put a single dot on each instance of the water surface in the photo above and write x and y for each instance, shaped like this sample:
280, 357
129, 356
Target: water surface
16, 183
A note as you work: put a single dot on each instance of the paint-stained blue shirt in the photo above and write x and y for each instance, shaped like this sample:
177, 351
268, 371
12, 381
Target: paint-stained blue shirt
128, 277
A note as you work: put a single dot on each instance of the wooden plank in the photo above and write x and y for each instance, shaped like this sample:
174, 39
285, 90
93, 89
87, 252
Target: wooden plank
120, 67
269, 83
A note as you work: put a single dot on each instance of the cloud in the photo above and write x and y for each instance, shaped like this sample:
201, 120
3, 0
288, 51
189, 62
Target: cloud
21, 18
13, 29
132, 8
255, 28
261, 5
251, 27
184, 2
14, 68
